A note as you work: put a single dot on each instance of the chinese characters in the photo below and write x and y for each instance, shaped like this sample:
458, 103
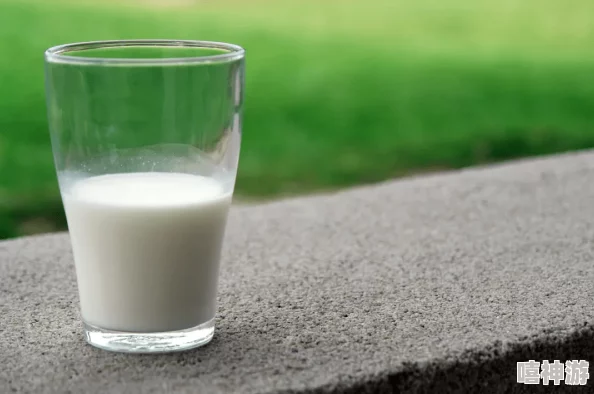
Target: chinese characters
572, 372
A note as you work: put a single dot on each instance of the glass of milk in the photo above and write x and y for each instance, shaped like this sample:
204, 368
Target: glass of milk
145, 136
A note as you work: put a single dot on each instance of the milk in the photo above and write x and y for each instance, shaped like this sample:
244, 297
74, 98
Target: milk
146, 248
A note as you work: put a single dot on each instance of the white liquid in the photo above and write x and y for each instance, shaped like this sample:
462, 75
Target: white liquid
146, 249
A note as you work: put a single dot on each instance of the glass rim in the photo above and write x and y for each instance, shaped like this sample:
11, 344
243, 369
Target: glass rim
59, 53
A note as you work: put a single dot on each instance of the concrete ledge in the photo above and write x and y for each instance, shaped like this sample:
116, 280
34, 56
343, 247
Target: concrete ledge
436, 284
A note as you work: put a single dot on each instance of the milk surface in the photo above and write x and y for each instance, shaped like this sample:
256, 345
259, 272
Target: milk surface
147, 248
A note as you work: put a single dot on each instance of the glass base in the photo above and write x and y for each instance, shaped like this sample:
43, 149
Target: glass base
152, 342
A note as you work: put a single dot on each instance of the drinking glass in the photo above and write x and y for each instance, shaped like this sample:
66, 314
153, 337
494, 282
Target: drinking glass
146, 136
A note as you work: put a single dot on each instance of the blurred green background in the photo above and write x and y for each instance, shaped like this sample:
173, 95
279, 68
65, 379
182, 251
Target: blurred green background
338, 92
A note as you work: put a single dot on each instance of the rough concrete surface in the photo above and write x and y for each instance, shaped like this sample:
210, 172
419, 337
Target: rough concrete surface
433, 284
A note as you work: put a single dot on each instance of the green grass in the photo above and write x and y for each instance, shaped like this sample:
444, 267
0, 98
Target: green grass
337, 94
